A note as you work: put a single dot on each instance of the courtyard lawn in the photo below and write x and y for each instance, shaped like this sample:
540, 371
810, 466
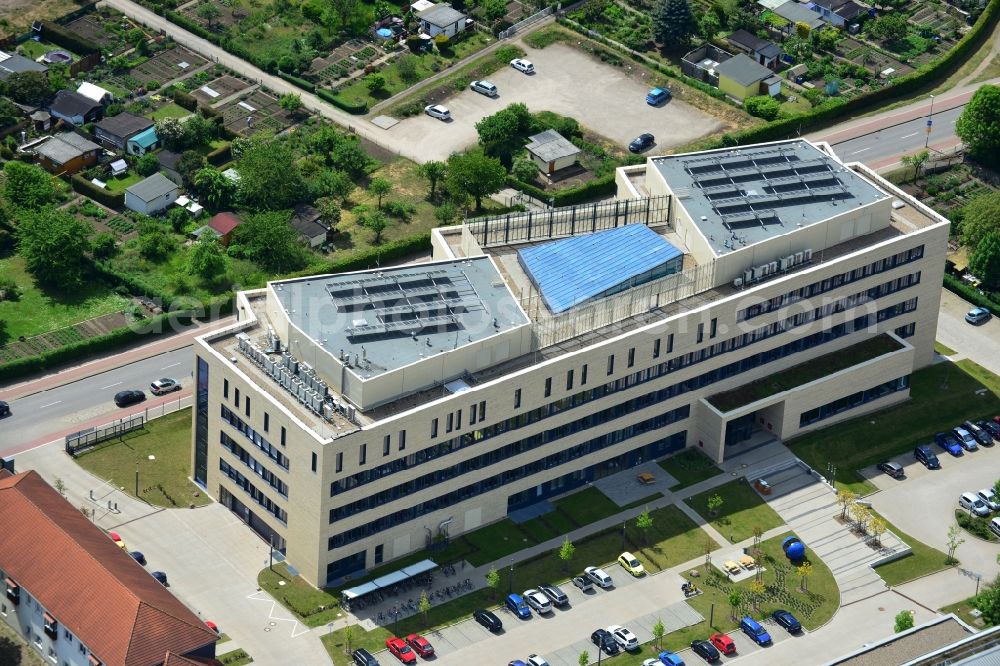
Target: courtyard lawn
922, 561
41, 310
741, 512
943, 349
169, 110
689, 467
963, 609
941, 396
163, 481
674, 539
121, 183
587, 506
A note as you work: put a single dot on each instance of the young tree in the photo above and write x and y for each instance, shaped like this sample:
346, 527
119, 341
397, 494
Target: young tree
375, 83
714, 504
673, 24
434, 172
476, 175
566, 552
659, 630
804, 570
757, 589
877, 528
209, 12
861, 515
376, 222
904, 621
845, 498
953, 542
644, 522
985, 260
584, 659
378, 188
206, 259
977, 126
148, 164
406, 66
268, 239
54, 244
291, 102
269, 176
446, 213
348, 637
493, 581
735, 599
916, 161
60, 486
215, 189
26, 185
425, 604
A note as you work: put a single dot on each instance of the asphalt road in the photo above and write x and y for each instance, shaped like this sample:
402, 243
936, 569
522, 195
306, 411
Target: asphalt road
904, 138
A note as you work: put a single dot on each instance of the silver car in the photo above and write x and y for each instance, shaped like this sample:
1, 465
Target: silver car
164, 385
974, 505
437, 111
484, 88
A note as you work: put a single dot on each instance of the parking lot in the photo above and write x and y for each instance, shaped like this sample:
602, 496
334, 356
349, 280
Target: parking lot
568, 82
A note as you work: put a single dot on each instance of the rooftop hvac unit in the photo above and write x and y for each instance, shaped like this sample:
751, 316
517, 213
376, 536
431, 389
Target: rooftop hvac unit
762, 270
286, 359
738, 282
321, 388
798, 257
268, 366
788, 262
300, 391
293, 365
327, 411
772, 267
317, 403
351, 412
305, 368
286, 381
807, 255
273, 342
747, 275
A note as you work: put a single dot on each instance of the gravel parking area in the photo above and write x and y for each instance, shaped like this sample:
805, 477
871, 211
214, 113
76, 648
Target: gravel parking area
571, 83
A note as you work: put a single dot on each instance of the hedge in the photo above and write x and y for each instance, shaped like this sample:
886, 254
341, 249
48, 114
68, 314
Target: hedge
60, 36
331, 97
185, 100
87, 188
971, 294
191, 26
220, 156
301, 83
371, 257
568, 197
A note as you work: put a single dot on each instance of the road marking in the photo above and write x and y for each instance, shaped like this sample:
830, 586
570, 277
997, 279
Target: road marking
110, 385
909, 135
170, 366
50, 404
861, 151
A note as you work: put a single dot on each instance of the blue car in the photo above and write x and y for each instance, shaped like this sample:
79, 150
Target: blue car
668, 658
755, 631
977, 316
949, 443
657, 96
518, 606
787, 620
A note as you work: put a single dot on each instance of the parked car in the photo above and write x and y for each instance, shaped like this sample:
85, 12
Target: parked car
516, 662
213, 626
557, 596
990, 499
138, 557
723, 643
991, 427
668, 658
160, 576
522, 65
974, 505
604, 641
484, 88
130, 397
757, 633
641, 143
895, 470
924, 455
599, 576
657, 96
398, 648
983, 436
538, 601
625, 638
515, 604
363, 657
583, 582
965, 438
488, 619
977, 316
536, 660
164, 385
4, 409
420, 645
652, 662
995, 526
787, 621
705, 650
949, 443
631, 564
437, 111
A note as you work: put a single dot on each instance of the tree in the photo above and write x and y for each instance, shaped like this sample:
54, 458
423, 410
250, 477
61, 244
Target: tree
349, 157
757, 589
178, 218
268, 239
348, 637
644, 522
981, 216
804, 570
714, 504
332, 183
269, 177
434, 171
877, 528
9, 114
985, 260
54, 244
376, 222
802, 30
524, 170
889, 28
709, 26
493, 581
329, 208
953, 542
378, 188
904, 620
291, 102
845, 498
583, 660
198, 131
375, 83
26, 185
673, 24
446, 213
659, 630
475, 174
209, 12
916, 161
406, 67
987, 602
503, 132
762, 106
861, 514
104, 245
978, 128
147, 165
735, 599
566, 552
28, 87
155, 242
60, 486
425, 604
494, 9
10, 652
206, 259
190, 163
216, 190
170, 131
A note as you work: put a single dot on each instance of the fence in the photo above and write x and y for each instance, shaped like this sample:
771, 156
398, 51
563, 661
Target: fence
566, 221
528, 22
85, 439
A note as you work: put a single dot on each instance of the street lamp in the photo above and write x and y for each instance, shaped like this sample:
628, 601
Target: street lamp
930, 121
510, 579
624, 523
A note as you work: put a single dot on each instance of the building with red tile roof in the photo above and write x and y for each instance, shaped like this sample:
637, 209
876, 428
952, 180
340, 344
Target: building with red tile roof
223, 224
79, 599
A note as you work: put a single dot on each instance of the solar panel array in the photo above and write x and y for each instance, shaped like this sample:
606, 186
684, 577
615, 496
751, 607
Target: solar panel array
406, 304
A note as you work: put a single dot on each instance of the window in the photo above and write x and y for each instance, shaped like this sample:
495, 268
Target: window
482, 410
248, 407
402, 440
713, 328
472, 414
201, 424
282, 435
569, 380
378, 554
583, 375
434, 428
458, 420
50, 625
656, 348
362, 454
631, 357
517, 398
701, 332
68, 636
267, 421
906, 331
450, 423
548, 386
670, 343
225, 389
314, 459
340, 461
237, 398
385, 445
611, 364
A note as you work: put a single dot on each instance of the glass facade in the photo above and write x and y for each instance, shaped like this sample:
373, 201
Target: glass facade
201, 425
853, 400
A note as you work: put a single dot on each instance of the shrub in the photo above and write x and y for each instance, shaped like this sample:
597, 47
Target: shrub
87, 188
62, 37
330, 96
762, 106
185, 100
300, 82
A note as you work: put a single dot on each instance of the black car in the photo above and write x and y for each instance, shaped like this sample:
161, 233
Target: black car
557, 596
991, 427
603, 639
126, 398
982, 436
4, 409
924, 455
363, 657
786, 620
138, 557
641, 143
487, 619
705, 650
160, 577
895, 470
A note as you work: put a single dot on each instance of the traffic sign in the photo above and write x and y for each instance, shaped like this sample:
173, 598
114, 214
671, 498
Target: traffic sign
929, 122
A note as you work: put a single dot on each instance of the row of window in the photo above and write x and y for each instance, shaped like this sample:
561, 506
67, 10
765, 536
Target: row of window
255, 494
816, 288
503, 453
853, 400
272, 452
251, 462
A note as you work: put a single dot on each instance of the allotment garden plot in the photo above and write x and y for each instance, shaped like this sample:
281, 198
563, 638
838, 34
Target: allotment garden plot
168, 65
219, 89
107, 32
255, 112
343, 61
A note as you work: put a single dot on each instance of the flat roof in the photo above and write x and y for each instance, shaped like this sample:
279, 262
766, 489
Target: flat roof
66, 146
393, 317
910, 645
742, 196
744, 70
550, 145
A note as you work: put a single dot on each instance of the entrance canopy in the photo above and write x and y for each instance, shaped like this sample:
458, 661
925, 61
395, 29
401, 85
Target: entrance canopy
389, 579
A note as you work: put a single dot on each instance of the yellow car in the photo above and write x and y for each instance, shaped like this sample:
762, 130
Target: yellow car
631, 564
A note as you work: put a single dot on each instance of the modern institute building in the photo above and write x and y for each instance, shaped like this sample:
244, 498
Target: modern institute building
355, 418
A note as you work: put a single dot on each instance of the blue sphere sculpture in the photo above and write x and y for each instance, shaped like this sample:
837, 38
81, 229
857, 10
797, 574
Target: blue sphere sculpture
794, 549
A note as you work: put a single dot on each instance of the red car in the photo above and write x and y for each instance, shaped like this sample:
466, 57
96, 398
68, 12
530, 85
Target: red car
420, 645
723, 644
400, 649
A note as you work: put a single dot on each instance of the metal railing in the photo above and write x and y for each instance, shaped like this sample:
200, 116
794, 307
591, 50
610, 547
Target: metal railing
85, 439
528, 22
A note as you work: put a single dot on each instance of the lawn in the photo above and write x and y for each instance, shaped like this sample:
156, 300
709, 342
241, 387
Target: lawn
163, 481
34, 50
741, 512
587, 506
689, 467
941, 396
41, 310
804, 373
169, 110
943, 349
237, 657
922, 561
120, 183
991, 71
963, 609
674, 539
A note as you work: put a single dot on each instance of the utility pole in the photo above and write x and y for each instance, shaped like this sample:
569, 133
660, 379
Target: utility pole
930, 123
137, 478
